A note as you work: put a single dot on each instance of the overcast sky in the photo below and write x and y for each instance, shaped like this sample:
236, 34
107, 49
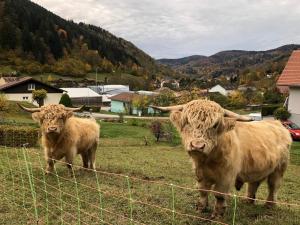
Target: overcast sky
178, 28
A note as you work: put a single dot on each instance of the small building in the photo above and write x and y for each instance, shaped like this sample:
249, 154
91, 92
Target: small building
219, 89
111, 90
289, 82
85, 96
122, 103
21, 90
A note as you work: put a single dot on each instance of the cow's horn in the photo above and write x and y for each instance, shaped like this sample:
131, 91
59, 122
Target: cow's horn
31, 110
168, 108
75, 109
228, 113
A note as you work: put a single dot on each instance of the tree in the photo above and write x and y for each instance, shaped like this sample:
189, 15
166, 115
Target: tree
165, 98
65, 100
273, 97
3, 102
39, 96
141, 102
237, 99
282, 114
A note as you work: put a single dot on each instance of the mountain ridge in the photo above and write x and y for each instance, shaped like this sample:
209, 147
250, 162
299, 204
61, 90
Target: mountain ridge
230, 61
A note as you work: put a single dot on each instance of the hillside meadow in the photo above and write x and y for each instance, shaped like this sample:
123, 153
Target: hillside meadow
157, 177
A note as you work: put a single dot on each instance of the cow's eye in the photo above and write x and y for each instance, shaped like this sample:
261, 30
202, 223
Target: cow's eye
215, 125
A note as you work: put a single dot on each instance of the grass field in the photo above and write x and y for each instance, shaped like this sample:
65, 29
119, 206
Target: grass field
151, 170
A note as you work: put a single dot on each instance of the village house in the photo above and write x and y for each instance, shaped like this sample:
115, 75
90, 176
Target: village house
20, 89
219, 89
86, 96
289, 82
122, 103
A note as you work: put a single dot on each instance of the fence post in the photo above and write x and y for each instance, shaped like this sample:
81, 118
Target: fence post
31, 185
173, 204
100, 196
234, 209
60, 196
130, 200
45, 187
77, 193
21, 174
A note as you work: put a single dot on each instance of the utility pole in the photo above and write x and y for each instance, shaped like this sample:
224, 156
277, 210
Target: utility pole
96, 76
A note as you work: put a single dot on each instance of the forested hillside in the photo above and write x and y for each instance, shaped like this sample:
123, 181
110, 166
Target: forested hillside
235, 62
34, 40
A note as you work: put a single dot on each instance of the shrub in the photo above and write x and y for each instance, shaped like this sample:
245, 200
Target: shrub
282, 113
134, 122
267, 110
16, 136
65, 100
39, 96
156, 129
3, 102
121, 118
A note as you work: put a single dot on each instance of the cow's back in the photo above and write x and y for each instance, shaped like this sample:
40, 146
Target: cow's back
264, 146
84, 132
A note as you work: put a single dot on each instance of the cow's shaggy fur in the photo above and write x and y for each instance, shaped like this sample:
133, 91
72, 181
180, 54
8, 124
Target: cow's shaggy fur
225, 152
64, 135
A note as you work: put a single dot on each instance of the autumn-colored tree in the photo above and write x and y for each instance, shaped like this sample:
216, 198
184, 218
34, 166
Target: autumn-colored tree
165, 98
3, 102
141, 102
39, 96
237, 99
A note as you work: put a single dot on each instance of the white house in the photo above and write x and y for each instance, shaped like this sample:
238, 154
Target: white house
289, 82
85, 96
20, 89
219, 89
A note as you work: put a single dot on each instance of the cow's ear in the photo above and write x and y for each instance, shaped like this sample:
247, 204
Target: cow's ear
176, 119
36, 117
68, 114
229, 124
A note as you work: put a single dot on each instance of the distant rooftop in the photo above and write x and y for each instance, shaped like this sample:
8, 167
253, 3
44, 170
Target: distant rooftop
290, 76
124, 97
80, 92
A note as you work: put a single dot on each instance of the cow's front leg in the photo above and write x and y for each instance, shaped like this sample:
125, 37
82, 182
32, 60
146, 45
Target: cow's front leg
69, 160
51, 157
220, 205
203, 186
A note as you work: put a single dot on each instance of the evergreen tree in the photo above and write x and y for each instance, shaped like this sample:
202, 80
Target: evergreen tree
65, 100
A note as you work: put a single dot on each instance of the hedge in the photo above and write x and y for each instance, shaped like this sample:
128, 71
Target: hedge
17, 136
268, 110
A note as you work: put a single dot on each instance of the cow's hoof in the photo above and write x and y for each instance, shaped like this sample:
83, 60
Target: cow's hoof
248, 201
270, 205
216, 215
201, 208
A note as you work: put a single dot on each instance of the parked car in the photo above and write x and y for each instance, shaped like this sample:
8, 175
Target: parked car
293, 128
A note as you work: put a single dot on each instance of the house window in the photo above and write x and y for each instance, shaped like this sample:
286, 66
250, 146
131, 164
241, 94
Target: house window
31, 87
25, 98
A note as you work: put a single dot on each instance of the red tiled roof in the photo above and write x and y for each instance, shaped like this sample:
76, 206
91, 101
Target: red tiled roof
124, 97
22, 80
290, 76
13, 83
10, 79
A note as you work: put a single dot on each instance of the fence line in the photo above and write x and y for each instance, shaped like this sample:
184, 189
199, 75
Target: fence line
177, 186
33, 190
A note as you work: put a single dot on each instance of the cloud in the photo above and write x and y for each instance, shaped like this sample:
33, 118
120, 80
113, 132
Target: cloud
177, 28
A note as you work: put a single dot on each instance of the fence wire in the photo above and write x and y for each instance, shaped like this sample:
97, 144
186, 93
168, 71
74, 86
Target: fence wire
87, 196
